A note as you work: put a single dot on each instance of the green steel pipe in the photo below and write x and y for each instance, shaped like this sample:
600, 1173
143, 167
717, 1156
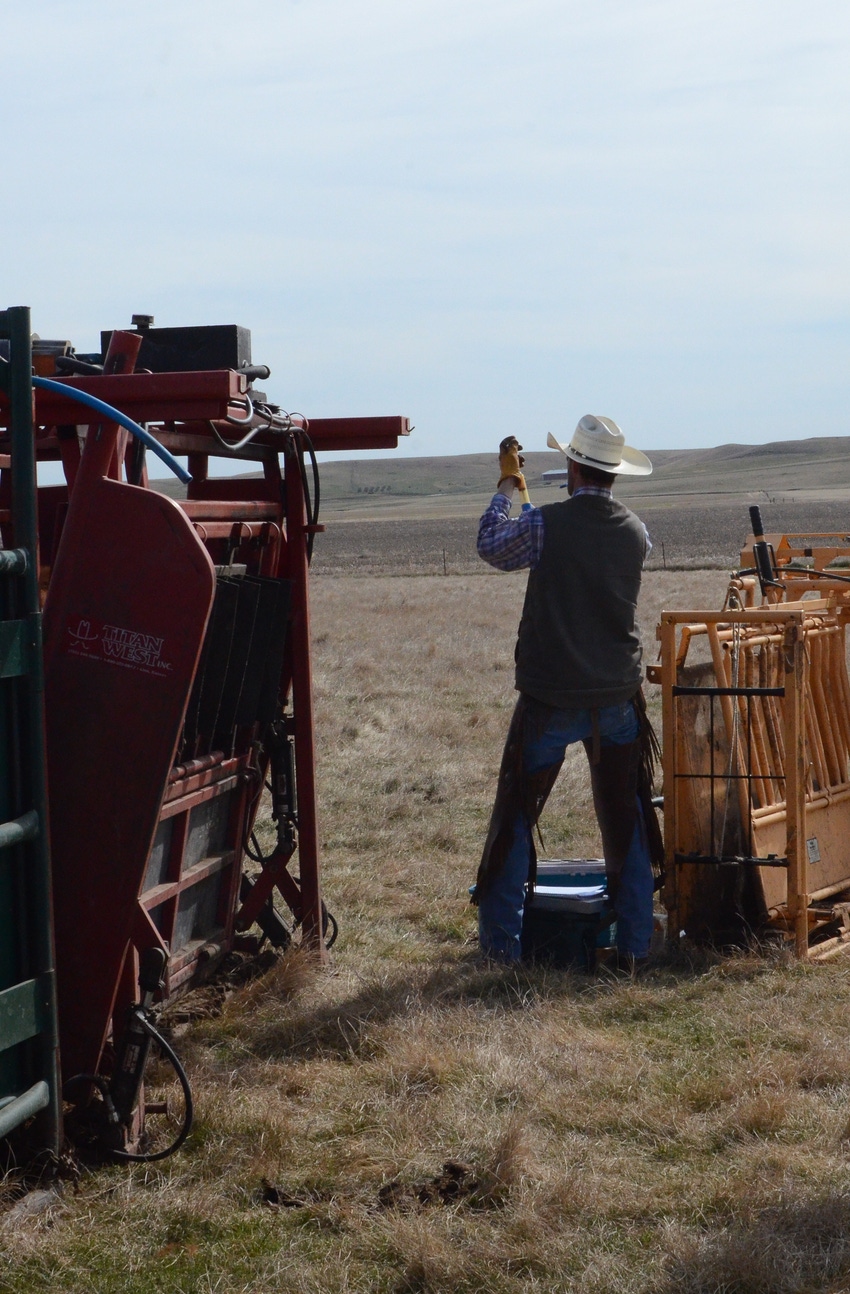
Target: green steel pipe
20, 1108
13, 561
25, 523
19, 830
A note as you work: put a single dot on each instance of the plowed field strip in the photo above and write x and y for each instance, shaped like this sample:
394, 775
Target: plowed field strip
688, 537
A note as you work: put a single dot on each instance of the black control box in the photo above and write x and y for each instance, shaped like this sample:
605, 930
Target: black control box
191, 350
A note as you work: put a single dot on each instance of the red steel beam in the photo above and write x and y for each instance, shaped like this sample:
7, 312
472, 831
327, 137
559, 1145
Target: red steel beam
145, 397
325, 433
195, 398
357, 433
230, 510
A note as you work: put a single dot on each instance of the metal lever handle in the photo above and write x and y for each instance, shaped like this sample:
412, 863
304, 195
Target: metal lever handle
256, 372
762, 552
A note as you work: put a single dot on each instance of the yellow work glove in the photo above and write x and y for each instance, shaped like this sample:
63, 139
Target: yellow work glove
511, 461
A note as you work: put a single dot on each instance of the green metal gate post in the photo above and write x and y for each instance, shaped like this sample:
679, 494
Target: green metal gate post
28, 1028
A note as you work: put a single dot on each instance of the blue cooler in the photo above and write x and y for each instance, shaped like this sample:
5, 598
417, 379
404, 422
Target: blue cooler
561, 924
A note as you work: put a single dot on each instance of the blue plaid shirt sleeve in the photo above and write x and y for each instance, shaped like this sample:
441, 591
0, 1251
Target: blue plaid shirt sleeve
516, 543
510, 543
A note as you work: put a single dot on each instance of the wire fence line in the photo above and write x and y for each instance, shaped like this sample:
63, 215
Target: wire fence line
706, 538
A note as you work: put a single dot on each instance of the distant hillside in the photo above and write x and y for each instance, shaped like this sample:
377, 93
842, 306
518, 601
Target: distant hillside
459, 485
778, 468
818, 466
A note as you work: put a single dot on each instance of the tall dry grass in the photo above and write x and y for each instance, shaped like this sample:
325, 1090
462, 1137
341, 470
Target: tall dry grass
688, 1131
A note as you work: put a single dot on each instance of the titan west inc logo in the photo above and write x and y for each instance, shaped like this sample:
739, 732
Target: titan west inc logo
127, 648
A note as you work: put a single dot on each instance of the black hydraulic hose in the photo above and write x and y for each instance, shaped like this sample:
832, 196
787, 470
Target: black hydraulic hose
94, 1080
329, 923
170, 1054
801, 571
317, 492
251, 845
102, 1085
827, 575
332, 925
313, 501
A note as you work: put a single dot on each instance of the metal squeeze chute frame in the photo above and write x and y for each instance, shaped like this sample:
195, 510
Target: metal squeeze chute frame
177, 666
756, 742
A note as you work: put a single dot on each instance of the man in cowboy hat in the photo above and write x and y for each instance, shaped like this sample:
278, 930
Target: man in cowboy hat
578, 675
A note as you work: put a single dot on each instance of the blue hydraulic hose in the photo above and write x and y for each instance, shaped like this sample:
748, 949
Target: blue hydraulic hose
115, 415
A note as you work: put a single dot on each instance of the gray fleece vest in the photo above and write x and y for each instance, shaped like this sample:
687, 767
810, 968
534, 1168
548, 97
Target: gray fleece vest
578, 644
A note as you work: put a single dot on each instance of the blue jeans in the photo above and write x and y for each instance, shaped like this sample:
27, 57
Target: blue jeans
500, 910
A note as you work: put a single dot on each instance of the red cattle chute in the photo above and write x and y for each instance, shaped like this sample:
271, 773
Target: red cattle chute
178, 669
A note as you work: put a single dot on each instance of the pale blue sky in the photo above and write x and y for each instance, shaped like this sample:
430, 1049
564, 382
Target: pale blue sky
484, 215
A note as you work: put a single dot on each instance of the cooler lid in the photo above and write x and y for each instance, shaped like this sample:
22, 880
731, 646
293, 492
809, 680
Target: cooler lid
571, 867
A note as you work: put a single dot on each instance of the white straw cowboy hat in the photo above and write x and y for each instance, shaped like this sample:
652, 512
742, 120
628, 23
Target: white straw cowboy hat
599, 443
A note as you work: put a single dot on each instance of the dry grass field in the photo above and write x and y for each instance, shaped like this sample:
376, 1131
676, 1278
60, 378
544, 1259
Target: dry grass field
684, 1133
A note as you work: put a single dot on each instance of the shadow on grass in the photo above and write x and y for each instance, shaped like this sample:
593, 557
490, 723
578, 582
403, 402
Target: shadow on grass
307, 1030
795, 1247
